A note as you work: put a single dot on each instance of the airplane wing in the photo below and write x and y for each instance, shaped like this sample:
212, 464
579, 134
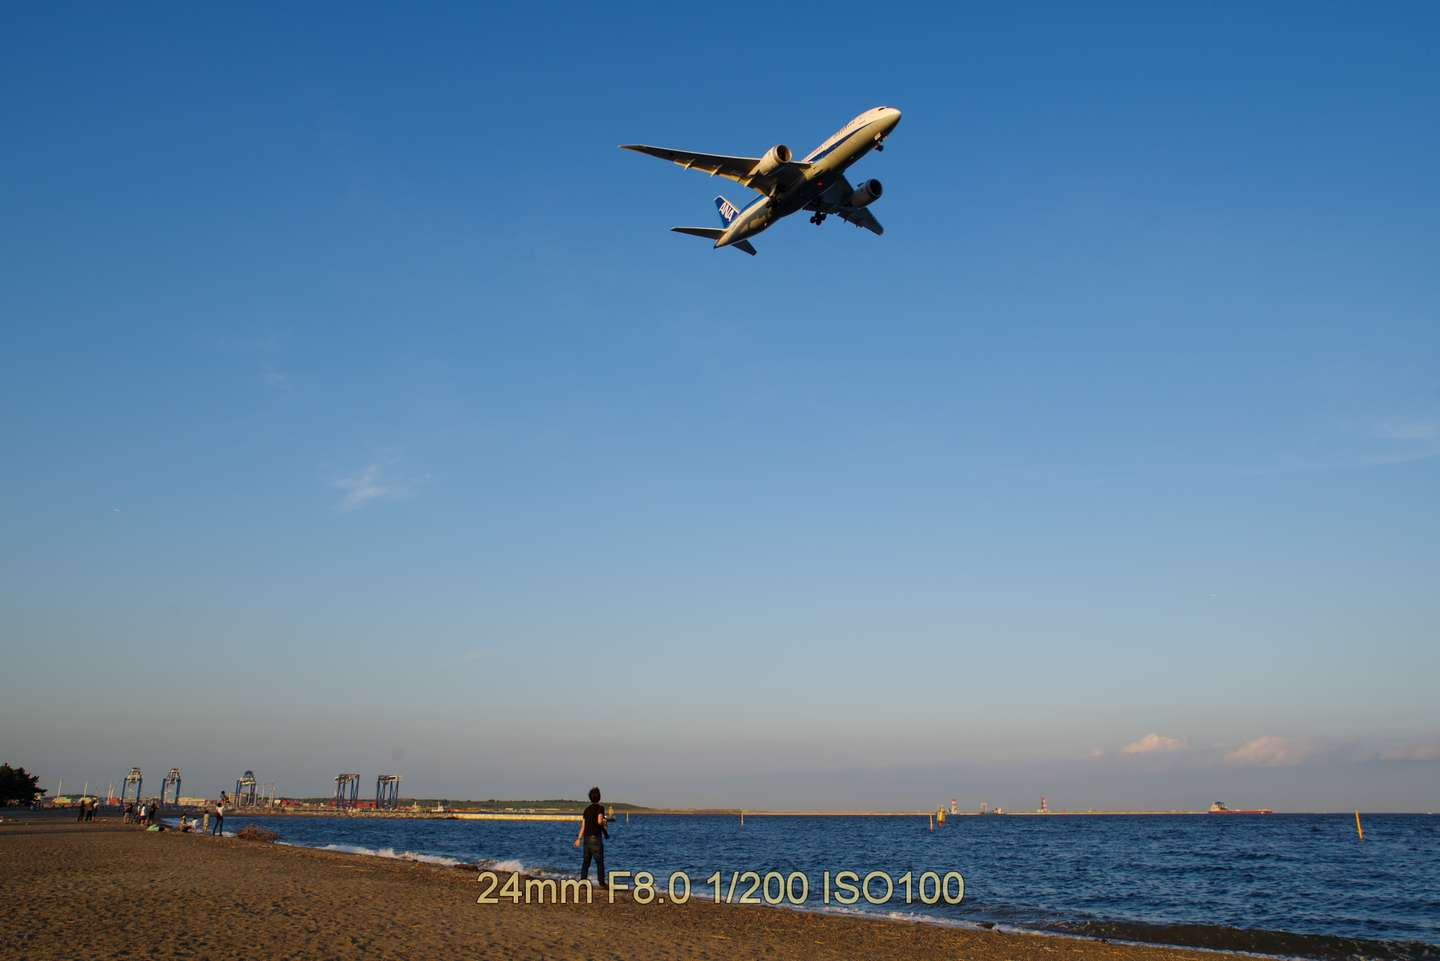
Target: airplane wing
731, 168
834, 201
861, 217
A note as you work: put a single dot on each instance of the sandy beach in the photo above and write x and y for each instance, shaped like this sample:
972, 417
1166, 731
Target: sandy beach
106, 890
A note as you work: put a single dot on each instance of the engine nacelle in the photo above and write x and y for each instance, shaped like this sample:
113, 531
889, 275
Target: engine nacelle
775, 158
866, 194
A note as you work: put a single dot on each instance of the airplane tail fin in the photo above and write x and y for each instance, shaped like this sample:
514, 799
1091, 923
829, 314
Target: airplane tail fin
728, 211
714, 233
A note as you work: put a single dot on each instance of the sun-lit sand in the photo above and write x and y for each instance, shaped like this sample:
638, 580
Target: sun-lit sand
106, 890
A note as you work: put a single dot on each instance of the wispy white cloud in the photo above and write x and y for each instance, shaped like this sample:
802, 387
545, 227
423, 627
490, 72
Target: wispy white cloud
274, 376
363, 487
1406, 439
1360, 443
1414, 752
1408, 429
268, 350
1271, 751
1155, 744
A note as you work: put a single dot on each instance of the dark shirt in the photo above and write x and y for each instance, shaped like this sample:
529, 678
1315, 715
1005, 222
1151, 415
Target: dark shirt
593, 827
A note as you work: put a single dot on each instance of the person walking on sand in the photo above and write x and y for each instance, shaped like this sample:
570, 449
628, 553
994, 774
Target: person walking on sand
593, 834
219, 816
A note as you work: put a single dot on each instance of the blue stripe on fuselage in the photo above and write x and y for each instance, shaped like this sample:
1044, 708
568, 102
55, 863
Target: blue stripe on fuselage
837, 144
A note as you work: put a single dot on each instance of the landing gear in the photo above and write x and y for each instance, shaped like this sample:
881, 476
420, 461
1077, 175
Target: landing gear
817, 219
879, 145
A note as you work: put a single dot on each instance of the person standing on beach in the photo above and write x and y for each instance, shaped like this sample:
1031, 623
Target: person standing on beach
592, 834
219, 815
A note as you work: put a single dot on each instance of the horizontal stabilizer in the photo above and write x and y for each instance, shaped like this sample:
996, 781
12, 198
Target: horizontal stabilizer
714, 233
710, 233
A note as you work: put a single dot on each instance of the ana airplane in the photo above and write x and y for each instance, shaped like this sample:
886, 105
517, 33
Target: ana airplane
816, 184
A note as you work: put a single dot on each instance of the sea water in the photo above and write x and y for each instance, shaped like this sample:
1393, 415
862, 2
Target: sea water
1291, 884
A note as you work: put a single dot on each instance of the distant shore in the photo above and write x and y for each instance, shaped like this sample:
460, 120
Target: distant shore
103, 890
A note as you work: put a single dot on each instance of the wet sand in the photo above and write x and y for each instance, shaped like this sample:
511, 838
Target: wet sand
106, 890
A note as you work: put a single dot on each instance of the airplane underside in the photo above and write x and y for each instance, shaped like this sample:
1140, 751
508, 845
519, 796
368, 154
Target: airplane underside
816, 183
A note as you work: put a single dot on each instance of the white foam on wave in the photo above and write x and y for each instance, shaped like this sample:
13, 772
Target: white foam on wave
394, 855
501, 865
513, 865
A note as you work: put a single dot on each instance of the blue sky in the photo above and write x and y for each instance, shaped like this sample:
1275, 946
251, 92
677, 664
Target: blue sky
360, 411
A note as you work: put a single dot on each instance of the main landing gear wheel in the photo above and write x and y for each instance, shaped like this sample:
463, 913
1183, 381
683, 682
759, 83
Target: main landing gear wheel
817, 219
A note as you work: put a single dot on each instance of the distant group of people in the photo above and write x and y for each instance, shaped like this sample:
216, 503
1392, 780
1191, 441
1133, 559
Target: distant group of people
86, 809
147, 815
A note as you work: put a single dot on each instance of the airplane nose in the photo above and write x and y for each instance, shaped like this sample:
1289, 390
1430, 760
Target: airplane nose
894, 117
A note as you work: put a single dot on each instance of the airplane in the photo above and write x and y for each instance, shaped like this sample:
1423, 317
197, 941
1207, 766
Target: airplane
817, 183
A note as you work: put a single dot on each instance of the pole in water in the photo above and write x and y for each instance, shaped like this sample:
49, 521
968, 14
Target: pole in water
742, 820
932, 822
1358, 828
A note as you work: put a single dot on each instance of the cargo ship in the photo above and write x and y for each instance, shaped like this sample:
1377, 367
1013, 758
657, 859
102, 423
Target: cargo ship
1218, 807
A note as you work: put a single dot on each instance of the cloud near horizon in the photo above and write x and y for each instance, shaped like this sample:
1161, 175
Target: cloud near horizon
1270, 751
1155, 744
1414, 752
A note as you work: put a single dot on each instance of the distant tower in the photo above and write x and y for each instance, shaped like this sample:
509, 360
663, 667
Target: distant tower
347, 790
245, 790
387, 792
135, 778
172, 780
1044, 805
954, 805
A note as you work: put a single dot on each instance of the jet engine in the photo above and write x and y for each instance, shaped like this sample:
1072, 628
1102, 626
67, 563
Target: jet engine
866, 194
775, 158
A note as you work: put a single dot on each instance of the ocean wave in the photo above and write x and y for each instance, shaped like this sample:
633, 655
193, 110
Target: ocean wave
392, 854
512, 864
501, 865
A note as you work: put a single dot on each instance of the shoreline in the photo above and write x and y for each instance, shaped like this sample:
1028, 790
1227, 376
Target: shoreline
185, 895
310, 888
1213, 939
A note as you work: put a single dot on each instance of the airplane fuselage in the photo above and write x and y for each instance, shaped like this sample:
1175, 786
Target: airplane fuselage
828, 163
